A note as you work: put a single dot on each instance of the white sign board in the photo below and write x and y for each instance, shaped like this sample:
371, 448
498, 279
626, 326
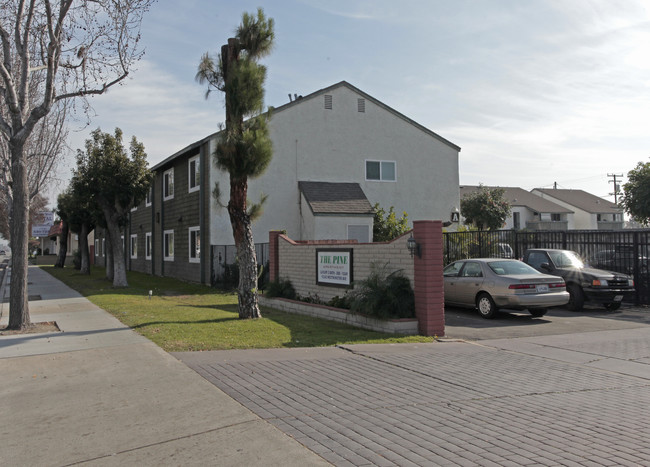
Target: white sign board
40, 230
334, 267
42, 223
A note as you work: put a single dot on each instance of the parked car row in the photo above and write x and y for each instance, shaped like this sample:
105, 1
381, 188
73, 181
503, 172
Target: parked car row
545, 278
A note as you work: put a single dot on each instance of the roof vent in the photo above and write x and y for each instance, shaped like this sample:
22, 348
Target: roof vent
328, 101
361, 105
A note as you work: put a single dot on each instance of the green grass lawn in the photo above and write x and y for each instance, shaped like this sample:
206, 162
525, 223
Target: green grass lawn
184, 316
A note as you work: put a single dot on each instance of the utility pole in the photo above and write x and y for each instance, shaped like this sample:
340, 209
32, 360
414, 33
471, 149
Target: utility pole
616, 186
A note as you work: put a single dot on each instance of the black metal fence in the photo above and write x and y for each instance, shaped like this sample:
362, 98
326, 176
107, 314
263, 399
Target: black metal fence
225, 271
626, 251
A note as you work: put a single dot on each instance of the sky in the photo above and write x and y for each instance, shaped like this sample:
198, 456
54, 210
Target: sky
535, 92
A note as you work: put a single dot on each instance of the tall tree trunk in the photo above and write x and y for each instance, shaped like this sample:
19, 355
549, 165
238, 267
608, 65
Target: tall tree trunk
243, 234
18, 298
108, 255
119, 265
83, 248
63, 245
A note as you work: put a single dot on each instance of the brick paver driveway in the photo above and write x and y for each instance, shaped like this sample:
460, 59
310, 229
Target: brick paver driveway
564, 399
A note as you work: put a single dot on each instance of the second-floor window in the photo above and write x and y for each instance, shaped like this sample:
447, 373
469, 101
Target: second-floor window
194, 174
147, 201
381, 171
168, 184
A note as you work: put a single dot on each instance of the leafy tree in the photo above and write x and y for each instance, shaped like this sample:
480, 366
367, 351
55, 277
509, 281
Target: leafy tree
52, 52
63, 210
386, 226
485, 208
636, 193
244, 150
115, 182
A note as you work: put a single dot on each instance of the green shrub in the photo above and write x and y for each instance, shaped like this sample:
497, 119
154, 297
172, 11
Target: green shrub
340, 302
281, 288
383, 295
76, 259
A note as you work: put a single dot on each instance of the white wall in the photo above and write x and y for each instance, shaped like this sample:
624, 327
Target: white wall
311, 143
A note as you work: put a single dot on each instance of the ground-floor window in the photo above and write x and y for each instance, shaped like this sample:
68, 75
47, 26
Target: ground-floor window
147, 245
195, 244
169, 245
134, 246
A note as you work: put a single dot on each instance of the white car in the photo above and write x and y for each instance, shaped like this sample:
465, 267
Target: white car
489, 284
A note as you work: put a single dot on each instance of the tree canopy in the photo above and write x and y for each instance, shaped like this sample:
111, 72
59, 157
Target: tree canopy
485, 208
636, 193
386, 226
115, 180
244, 149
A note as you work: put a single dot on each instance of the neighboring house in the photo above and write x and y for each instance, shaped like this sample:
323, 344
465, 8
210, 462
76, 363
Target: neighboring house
336, 153
590, 212
529, 211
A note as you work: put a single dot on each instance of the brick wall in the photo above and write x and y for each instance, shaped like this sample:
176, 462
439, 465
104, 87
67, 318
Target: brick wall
296, 261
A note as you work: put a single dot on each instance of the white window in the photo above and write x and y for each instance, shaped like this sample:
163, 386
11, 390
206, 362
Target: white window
169, 245
168, 184
381, 170
123, 244
103, 247
147, 245
193, 174
147, 201
134, 246
195, 244
96, 247
360, 233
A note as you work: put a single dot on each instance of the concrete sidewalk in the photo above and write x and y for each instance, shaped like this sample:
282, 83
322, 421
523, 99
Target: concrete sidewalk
99, 393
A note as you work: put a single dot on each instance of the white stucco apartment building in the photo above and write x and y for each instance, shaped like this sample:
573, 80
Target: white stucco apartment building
338, 137
336, 152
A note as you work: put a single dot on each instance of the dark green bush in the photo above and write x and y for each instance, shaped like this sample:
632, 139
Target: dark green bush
340, 302
76, 259
281, 288
383, 295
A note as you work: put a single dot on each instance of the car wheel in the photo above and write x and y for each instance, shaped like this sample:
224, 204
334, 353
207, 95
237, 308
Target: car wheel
612, 306
538, 312
576, 298
486, 306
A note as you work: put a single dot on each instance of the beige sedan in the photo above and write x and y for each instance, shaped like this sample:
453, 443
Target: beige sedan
490, 284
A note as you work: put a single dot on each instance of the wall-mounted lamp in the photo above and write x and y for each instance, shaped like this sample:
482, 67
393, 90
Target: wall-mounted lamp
413, 247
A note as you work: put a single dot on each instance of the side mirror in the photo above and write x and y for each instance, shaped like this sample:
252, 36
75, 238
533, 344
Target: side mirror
545, 266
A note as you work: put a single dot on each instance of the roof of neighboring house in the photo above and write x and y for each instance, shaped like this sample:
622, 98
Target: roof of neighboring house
194, 146
520, 197
56, 229
582, 200
335, 198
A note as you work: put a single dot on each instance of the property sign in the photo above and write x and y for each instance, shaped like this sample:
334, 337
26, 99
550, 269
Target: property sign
42, 223
455, 216
334, 267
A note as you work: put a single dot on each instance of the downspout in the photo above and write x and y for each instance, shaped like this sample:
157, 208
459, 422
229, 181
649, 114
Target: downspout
202, 229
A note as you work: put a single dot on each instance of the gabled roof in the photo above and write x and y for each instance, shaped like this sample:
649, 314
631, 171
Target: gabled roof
582, 200
371, 99
520, 197
194, 146
335, 198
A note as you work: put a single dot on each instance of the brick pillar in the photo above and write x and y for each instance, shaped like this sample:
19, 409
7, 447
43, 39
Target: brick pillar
274, 255
429, 286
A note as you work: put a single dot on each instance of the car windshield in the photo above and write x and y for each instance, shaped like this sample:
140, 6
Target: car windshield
563, 259
511, 268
